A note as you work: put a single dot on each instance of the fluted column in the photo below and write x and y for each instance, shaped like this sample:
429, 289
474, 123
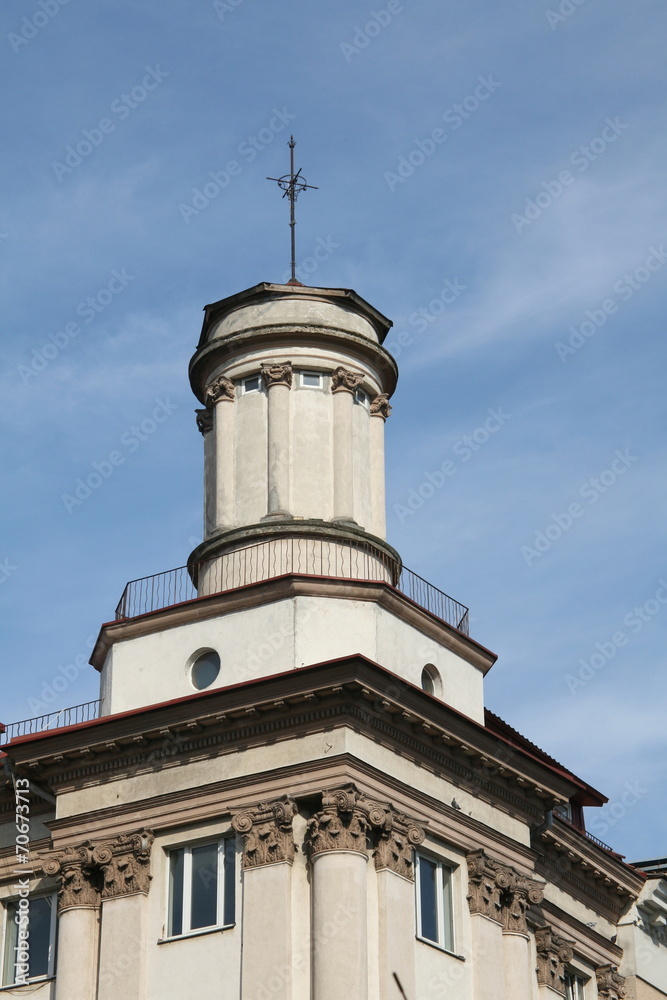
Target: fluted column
344, 384
221, 395
380, 410
278, 381
205, 426
553, 954
337, 848
268, 853
78, 922
125, 866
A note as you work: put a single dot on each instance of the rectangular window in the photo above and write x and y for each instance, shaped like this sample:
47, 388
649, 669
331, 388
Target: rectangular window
201, 887
361, 397
574, 986
311, 380
42, 930
435, 918
252, 384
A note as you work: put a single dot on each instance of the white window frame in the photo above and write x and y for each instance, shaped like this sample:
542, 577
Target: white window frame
312, 374
442, 887
578, 985
186, 916
362, 398
9, 926
251, 378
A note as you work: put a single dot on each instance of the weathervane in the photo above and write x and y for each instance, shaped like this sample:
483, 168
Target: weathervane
292, 185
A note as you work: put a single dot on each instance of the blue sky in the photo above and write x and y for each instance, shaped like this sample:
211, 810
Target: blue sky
491, 178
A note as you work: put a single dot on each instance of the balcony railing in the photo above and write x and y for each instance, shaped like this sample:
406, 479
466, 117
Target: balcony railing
54, 720
280, 557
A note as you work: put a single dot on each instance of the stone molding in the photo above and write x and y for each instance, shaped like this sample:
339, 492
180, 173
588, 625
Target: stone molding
500, 892
341, 825
89, 872
344, 380
397, 837
221, 388
611, 986
277, 373
553, 954
267, 833
204, 420
380, 406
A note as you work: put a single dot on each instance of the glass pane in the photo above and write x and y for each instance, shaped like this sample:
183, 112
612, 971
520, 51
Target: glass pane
39, 929
309, 379
205, 669
230, 881
428, 903
251, 384
204, 886
176, 859
447, 910
10, 941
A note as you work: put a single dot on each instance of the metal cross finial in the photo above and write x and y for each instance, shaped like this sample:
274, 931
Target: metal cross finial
292, 184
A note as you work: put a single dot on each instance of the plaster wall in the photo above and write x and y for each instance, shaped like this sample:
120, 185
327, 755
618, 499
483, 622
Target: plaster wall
294, 310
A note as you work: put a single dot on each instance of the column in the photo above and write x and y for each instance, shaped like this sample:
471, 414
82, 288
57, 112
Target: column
344, 384
487, 880
221, 395
125, 867
397, 838
380, 410
337, 850
78, 922
553, 954
205, 426
278, 381
268, 853
519, 895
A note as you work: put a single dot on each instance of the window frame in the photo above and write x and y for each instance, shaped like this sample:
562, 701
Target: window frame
9, 926
313, 374
251, 378
226, 868
575, 977
446, 927
362, 398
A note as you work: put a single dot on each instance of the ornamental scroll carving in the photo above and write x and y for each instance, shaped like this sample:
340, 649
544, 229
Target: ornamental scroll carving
279, 373
397, 836
342, 824
611, 986
220, 388
267, 833
344, 380
204, 420
91, 872
380, 406
501, 893
553, 954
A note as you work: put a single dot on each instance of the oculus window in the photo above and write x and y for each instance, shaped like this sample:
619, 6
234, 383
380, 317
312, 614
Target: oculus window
205, 669
201, 887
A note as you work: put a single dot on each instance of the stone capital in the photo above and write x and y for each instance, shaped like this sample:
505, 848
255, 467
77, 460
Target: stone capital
380, 406
277, 373
611, 986
79, 879
522, 893
396, 838
125, 863
553, 954
267, 833
205, 420
344, 380
221, 388
341, 825
487, 881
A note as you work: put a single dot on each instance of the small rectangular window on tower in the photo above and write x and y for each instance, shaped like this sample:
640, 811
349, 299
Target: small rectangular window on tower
311, 380
361, 397
201, 887
252, 384
435, 916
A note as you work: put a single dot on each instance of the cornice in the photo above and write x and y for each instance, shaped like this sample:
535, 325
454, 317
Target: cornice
593, 947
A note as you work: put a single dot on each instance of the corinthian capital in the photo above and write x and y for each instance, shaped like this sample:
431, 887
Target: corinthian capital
278, 373
204, 420
487, 881
553, 954
611, 986
380, 406
397, 837
267, 833
522, 893
342, 824
219, 388
125, 863
344, 380
79, 880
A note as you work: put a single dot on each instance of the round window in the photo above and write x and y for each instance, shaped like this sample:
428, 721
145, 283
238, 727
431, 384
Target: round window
431, 680
205, 669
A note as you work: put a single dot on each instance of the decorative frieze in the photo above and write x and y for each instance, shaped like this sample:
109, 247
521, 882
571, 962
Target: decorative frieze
611, 986
204, 420
344, 380
501, 893
79, 879
277, 373
397, 837
380, 406
91, 872
267, 833
221, 388
553, 954
342, 824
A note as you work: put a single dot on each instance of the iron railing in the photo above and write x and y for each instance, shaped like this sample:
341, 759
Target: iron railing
584, 833
86, 712
281, 557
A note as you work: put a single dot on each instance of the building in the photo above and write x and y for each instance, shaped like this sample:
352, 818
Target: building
291, 787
